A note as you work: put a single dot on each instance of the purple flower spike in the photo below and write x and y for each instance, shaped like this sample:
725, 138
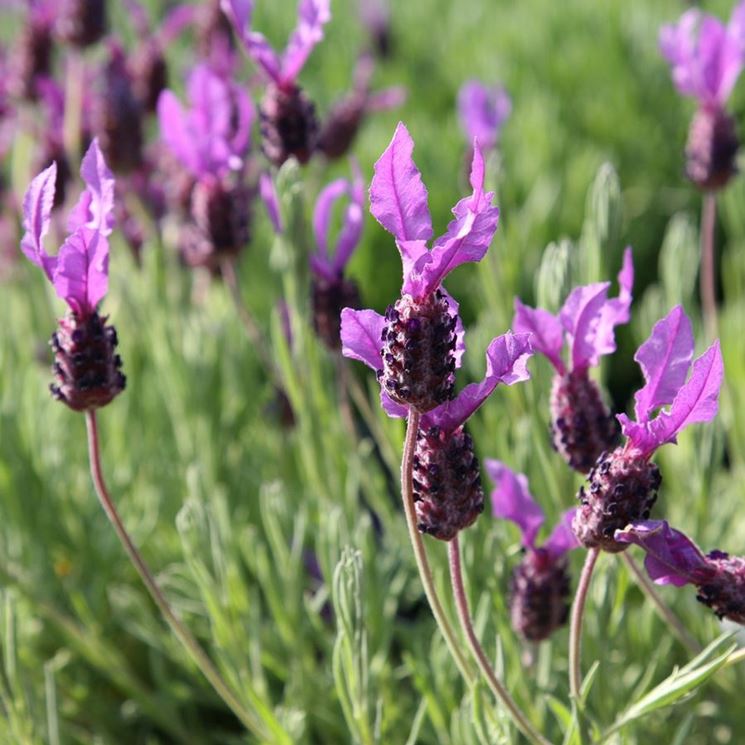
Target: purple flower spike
706, 59
86, 367
665, 360
581, 425
673, 559
330, 291
283, 70
482, 111
539, 588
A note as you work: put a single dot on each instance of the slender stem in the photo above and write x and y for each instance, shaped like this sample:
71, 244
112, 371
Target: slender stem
733, 659
707, 276
199, 656
575, 629
464, 614
420, 553
681, 632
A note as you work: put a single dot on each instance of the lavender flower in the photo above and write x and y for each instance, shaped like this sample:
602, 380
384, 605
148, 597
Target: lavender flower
417, 346
82, 22
482, 111
288, 122
210, 140
623, 484
330, 291
581, 426
706, 58
86, 368
673, 559
31, 55
346, 116
539, 589
376, 17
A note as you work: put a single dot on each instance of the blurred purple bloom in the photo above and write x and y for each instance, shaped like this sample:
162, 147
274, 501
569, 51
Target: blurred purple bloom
213, 134
705, 55
482, 111
79, 272
665, 359
283, 69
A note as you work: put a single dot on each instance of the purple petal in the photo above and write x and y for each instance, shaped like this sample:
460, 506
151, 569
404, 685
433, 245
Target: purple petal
562, 538
100, 186
313, 15
269, 197
398, 198
81, 277
239, 12
511, 500
360, 336
460, 331
506, 362
482, 111
37, 209
322, 213
672, 558
467, 238
352, 223
664, 359
175, 132
546, 331
617, 310
391, 407
388, 98
580, 316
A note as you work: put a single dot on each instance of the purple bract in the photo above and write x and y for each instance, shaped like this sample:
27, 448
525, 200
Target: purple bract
482, 111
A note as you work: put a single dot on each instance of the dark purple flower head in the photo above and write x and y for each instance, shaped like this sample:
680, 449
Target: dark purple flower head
283, 69
212, 135
482, 111
81, 22
622, 487
540, 583
706, 56
581, 425
376, 17
665, 360
673, 559
79, 272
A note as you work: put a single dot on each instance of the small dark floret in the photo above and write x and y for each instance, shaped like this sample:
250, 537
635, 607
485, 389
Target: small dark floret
289, 127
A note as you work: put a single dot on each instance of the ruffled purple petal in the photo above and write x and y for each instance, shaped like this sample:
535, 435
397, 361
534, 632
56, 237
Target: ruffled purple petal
81, 277
328, 197
506, 362
617, 310
268, 195
361, 336
351, 231
482, 111
261, 52
391, 407
511, 500
460, 331
398, 198
37, 209
672, 558
174, 131
546, 331
580, 316
696, 401
562, 538
313, 15
664, 359
96, 207
467, 238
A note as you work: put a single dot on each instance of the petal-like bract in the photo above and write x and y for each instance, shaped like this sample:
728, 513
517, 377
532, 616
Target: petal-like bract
482, 111
547, 333
360, 336
37, 209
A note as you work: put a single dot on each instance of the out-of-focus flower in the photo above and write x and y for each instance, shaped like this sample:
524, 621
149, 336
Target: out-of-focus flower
81, 22
345, 117
673, 559
330, 291
288, 121
623, 484
482, 111
539, 589
581, 425
86, 367
31, 54
376, 17
706, 58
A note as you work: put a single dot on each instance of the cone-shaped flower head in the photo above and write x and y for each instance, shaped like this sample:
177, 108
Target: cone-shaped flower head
623, 484
482, 111
673, 559
330, 291
82, 22
420, 333
288, 122
86, 366
540, 583
706, 58
581, 425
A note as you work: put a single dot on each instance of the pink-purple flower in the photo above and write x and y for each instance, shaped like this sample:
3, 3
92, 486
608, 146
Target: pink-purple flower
581, 425
540, 583
482, 111
673, 559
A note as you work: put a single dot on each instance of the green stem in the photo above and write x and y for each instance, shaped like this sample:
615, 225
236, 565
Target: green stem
464, 614
200, 657
420, 553
575, 629
707, 275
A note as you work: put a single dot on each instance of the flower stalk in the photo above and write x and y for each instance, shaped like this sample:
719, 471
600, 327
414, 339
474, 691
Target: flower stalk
708, 260
575, 628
